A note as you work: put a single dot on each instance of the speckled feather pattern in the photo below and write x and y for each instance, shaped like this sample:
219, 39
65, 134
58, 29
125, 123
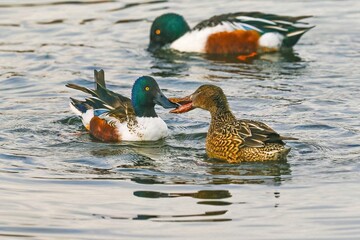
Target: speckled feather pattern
226, 140
235, 140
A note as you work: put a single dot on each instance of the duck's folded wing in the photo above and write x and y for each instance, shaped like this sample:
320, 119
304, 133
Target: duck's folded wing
121, 114
257, 134
258, 21
111, 98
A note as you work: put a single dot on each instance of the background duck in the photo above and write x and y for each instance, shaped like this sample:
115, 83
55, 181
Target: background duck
111, 117
245, 33
231, 139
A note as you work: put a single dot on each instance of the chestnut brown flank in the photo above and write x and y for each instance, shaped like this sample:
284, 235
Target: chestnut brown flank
101, 130
235, 42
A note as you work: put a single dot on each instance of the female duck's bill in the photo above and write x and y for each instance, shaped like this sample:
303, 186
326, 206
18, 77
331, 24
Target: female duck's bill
185, 104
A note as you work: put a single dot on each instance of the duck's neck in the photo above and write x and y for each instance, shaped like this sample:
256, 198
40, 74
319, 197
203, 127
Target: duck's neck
222, 115
219, 109
220, 112
220, 119
144, 111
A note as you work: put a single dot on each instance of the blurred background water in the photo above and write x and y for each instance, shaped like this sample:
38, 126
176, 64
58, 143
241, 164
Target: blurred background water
56, 182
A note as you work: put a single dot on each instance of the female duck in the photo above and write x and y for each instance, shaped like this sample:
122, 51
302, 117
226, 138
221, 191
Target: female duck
231, 139
111, 117
246, 33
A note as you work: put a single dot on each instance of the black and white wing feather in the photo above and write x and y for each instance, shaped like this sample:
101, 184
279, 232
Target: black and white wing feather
291, 27
103, 100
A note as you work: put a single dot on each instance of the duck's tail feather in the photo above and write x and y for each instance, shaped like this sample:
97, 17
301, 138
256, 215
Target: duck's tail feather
296, 19
80, 88
86, 110
293, 36
99, 78
78, 107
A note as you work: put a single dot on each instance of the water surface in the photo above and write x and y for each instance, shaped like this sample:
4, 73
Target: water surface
59, 183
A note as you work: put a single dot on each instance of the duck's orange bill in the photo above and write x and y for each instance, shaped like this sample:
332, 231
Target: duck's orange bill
185, 104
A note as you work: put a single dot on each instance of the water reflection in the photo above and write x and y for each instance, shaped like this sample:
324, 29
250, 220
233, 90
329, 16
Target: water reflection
38, 4
250, 173
55, 176
168, 63
178, 159
16, 235
141, 153
56, 21
209, 217
143, 170
168, 162
129, 20
130, 5
211, 198
202, 194
171, 56
284, 56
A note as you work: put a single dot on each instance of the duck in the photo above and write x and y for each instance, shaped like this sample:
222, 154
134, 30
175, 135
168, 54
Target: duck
244, 33
112, 117
231, 139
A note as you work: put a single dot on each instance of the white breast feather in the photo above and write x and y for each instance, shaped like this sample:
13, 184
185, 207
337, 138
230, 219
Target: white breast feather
195, 41
148, 129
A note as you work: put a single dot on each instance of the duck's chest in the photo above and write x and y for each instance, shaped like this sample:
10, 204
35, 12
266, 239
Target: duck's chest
143, 129
221, 142
215, 140
217, 146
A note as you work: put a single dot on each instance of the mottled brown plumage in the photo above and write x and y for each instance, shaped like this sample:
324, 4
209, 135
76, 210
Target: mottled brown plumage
229, 138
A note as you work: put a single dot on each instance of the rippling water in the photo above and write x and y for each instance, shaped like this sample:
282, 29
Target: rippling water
56, 182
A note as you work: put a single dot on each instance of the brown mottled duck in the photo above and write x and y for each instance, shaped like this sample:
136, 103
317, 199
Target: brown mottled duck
230, 139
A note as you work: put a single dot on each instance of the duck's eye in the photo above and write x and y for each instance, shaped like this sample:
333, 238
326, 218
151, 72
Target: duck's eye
147, 88
157, 31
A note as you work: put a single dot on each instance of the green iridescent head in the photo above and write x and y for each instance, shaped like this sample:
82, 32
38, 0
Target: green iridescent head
145, 94
166, 29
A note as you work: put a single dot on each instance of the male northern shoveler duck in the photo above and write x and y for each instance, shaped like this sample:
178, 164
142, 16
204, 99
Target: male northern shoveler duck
231, 139
245, 33
111, 117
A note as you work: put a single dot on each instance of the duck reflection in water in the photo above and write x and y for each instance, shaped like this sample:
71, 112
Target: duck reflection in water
265, 173
168, 63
